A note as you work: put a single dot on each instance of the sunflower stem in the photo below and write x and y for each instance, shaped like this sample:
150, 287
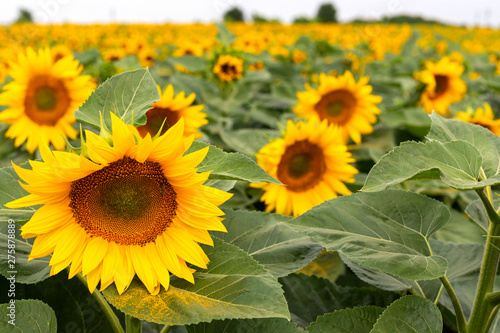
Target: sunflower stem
132, 324
482, 309
459, 313
166, 329
112, 318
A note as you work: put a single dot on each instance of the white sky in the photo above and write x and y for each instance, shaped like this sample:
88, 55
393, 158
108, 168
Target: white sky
477, 12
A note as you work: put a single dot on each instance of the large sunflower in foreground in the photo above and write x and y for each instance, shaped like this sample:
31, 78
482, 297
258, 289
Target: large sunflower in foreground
170, 110
311, 161
443, 85
341, 101
481, 117
42, 97
137, 206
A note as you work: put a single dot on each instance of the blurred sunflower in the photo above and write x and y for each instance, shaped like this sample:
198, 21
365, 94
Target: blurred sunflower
298, 56
481, 117
343, 102
228, 68
147, 56
136, 207
171, 110
113, 54
443, 85
311, 161
60, 51
42, 97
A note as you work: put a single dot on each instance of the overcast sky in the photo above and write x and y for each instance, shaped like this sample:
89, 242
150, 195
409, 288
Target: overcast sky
477, 12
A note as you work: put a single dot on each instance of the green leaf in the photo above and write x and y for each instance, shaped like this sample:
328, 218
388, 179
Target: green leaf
234, 286
248, 141
230, 166
461, 230
128, 95
456, 163
11, 190
272, 243
224, 185
192, 63
30, 316
265, 325
380, 229
26, 272
465, 262
225, 37
410, 314
359, 320
476, 211
309, 297
415, 120
487, 143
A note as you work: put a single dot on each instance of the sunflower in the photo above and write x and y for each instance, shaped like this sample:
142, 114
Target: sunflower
113, 54
60, 51
137, 206
311, 161
443, 85
343, 102
299, 56
228, 68
42, 97
171, 110
481, 117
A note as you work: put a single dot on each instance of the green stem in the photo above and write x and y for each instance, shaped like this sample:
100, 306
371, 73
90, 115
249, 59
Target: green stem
166, 329
482, 309
493, 298
112, 318
461, 323
436, 301
492, 316
132, 324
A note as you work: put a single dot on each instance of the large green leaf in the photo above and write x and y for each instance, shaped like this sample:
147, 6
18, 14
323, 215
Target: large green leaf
272, 243
410, 314
309, 297
457, 163
26, 272
359, 320
30, 316
233, 286
487, 143
233, 166
386, 231
129, 95
11, 190
264, 325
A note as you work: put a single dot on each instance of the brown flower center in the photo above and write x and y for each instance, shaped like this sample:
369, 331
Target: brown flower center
302, 166
336, 106
47, 100
155, 118
229, 70
442, 85
126, 202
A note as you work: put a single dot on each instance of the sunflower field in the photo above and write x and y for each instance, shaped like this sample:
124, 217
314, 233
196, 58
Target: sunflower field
249, 178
